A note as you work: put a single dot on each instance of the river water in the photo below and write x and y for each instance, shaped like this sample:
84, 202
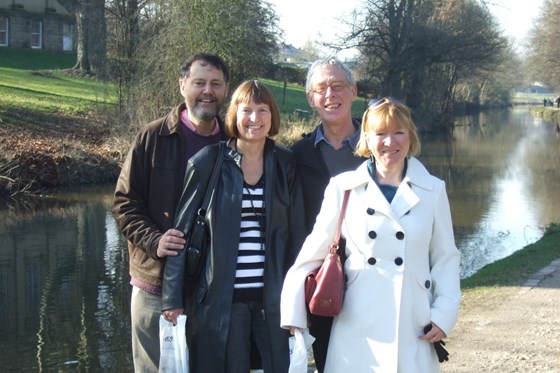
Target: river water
64, 293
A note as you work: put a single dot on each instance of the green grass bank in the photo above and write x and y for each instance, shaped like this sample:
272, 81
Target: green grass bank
547, 113
517, 268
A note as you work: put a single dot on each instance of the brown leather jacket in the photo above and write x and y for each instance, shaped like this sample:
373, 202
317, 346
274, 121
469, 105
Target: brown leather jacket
148, 191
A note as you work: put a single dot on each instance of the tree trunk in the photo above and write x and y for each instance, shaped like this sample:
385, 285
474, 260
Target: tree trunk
97, 35
91, 35
82, 53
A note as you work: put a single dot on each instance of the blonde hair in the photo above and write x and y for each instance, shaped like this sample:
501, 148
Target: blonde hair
383, 114
260, 94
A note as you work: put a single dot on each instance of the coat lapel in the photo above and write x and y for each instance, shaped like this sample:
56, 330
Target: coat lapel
416, 177
405, 199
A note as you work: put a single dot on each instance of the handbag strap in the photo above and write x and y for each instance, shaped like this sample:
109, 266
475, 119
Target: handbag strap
213, 179
334, 246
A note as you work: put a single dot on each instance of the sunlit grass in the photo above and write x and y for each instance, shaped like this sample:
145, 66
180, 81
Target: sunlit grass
53, 91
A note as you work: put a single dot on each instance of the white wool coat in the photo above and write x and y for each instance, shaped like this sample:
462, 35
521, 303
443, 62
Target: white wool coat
402, 271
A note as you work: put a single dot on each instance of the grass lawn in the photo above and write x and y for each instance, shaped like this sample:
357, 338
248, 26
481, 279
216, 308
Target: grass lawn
33, 59
40, 81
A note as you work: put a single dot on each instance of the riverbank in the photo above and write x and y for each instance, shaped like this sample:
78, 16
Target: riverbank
547, 113
509, 319
39, 152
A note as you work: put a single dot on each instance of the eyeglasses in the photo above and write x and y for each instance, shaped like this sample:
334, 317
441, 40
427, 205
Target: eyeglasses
335, 87
380, 101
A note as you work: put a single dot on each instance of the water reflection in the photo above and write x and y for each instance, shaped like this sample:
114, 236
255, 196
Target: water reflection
64, 287
64, 293
502, 176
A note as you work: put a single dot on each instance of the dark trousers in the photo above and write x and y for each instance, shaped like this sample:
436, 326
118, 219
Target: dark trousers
247, 324
320, 328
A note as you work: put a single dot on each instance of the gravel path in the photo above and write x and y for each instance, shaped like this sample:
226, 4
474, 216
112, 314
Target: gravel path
508, 329
513, 329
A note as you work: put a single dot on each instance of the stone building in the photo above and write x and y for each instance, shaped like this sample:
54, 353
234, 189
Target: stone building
36, 24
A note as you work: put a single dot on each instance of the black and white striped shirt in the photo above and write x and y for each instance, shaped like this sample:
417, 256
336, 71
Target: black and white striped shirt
249, 279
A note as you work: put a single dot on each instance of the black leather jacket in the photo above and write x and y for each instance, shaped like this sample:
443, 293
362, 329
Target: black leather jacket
214, 289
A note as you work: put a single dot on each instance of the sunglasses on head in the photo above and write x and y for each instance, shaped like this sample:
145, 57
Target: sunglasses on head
380, 101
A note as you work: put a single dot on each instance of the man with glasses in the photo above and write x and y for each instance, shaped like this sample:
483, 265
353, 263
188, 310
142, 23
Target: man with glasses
324, 153
149, 188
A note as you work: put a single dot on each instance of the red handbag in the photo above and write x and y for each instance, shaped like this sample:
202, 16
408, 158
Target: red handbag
324, 286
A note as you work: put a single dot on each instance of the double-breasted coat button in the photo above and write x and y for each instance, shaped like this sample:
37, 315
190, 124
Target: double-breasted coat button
427, 284
370, 211
400, 235
372, 261
372, 234
398, 261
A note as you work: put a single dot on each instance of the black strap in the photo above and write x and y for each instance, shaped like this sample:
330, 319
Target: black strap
213, 179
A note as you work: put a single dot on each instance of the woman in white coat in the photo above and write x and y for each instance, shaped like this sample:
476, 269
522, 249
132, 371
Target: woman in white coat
402, 266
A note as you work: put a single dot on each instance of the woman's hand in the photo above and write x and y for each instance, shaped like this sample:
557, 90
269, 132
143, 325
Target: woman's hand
434, 335
171, 315
293, 330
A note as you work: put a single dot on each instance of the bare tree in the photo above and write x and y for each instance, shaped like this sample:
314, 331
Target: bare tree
123, 30
544, 54
419, 50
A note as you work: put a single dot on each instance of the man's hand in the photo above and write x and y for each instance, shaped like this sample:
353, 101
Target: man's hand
170, 242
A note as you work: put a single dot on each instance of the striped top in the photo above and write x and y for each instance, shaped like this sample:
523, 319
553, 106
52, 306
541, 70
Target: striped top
249, 279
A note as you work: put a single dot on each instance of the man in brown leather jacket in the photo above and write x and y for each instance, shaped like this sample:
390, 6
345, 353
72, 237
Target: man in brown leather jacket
149, 188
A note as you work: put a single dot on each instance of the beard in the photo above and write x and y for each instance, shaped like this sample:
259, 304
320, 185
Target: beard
205, 113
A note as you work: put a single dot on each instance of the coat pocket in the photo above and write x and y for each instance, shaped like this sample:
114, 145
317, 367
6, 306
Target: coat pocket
423, 296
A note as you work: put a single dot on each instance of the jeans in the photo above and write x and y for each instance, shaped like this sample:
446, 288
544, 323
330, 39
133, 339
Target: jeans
246, 323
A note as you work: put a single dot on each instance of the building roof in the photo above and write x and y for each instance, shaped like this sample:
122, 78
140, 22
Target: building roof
36, 6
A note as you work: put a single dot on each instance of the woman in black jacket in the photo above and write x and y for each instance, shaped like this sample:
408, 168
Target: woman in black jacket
256, 229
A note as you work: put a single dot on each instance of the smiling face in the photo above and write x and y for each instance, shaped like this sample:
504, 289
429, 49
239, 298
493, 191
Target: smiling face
253, 121
389, 144
252, 112
332, 95
204, 91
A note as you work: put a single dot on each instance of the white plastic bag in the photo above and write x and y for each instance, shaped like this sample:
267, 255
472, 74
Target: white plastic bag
174, 352
299, 344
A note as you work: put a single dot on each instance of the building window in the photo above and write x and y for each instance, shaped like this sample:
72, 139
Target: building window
67, 37
3, 31
36, 34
